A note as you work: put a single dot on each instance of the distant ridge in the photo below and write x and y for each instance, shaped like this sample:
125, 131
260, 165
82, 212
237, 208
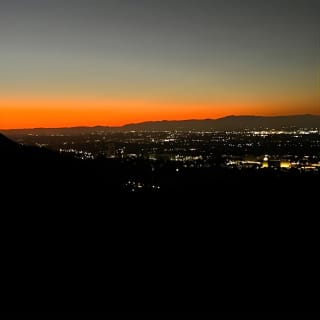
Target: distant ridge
231, 122
227, 123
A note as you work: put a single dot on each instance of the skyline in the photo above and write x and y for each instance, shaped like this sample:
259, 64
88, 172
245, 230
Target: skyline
310, 121
35, 116
116, 62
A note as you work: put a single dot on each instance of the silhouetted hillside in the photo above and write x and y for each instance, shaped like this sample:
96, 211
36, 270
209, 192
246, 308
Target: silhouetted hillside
38, 172
254, 122
14, 152
6, 145
44, 174
230, 123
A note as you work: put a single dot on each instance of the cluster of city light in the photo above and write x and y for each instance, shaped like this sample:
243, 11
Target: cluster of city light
83, 155
134, 186
270, 162
193, 148
186, 158
284, 132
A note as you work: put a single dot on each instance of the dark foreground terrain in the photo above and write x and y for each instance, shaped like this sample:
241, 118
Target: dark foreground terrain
44, 176
242, 239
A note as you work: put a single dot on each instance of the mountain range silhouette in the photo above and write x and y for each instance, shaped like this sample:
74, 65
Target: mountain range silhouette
226, 123
231, 123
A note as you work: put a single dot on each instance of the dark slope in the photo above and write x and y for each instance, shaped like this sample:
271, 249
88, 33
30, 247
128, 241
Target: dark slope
6, 145
28, 171
69, 222
12, 152
42, 174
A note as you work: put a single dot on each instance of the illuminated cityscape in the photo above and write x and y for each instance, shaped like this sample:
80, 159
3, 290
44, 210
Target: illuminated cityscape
158, 160
272, 148
153, 151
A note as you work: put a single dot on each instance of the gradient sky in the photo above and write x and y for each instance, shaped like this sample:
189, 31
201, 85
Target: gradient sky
110, 62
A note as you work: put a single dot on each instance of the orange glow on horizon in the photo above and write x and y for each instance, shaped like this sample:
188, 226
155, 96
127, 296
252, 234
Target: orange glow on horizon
35, 113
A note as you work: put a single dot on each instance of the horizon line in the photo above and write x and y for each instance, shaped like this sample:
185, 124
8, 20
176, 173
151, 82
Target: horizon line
164, 120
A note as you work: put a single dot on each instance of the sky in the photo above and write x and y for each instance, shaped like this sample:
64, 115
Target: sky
111, 62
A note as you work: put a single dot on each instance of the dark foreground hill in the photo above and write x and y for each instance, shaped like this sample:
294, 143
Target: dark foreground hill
44, 174
11, 152
69, 228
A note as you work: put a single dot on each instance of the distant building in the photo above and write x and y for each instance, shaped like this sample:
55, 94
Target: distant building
265, 162
285, 164
250, 164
